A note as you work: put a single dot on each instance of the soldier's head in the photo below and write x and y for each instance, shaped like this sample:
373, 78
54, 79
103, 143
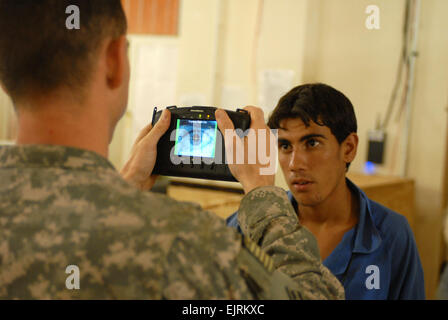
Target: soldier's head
317, 140
42, 52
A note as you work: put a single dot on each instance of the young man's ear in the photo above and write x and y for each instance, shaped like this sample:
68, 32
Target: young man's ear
116, 52
350, 146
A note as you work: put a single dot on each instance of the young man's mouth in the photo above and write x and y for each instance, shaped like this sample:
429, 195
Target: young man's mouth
301, 185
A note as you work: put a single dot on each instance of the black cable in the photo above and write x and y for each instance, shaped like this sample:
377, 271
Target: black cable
402, 62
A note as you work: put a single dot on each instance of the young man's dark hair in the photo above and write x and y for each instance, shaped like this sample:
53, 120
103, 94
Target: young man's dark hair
41, 64
319, 103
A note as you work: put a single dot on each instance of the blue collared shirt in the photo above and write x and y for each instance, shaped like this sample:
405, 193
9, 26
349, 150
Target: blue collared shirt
377, 258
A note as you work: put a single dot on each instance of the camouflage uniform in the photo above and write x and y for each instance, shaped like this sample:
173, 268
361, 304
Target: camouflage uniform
62, 206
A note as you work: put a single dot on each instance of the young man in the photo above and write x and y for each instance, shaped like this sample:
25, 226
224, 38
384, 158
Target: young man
369, 248
72, 227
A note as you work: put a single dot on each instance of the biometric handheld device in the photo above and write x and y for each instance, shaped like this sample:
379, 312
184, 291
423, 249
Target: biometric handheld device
193, 146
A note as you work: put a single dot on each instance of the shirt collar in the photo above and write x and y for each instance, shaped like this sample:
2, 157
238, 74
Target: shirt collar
368, 237
46, 156
364, 238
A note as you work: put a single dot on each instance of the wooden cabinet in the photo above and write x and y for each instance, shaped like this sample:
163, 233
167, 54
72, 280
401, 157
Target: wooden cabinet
393, 192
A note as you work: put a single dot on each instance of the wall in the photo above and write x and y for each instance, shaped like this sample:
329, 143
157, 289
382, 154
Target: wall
255, 40
427, 140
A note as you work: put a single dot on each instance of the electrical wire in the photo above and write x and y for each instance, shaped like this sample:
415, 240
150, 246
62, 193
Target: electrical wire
408, 57
404, 92
257, 33
396, 143
407, 106
401, 63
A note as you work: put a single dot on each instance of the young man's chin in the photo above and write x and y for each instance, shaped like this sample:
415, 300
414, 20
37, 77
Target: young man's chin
305, 199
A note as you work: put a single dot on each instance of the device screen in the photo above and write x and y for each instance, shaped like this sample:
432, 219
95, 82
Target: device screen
195, 138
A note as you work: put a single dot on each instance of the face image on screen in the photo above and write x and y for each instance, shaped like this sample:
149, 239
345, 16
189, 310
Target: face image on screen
195, 138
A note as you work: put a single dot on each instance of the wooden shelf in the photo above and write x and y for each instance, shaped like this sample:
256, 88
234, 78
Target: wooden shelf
393, 192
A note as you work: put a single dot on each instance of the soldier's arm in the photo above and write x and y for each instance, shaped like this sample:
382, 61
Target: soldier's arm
221, 264
195, 272
207, 260
267, 217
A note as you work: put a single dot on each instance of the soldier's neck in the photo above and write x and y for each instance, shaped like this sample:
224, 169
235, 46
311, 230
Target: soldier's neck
63, 124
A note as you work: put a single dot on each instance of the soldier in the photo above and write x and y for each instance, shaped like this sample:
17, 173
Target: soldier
64, 208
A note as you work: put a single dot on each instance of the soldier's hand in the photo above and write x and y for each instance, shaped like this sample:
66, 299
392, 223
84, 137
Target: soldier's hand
138, 169
252, 173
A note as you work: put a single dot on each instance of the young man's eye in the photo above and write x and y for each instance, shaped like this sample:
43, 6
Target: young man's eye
284, 146
312, 143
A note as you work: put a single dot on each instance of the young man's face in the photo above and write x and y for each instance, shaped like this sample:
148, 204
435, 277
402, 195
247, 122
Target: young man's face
312, 160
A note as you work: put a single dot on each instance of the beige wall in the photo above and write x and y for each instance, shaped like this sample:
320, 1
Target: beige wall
429, 124
197, 48
255, 39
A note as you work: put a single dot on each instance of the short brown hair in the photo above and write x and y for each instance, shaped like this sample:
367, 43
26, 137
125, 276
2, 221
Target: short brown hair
38, 53
319, 103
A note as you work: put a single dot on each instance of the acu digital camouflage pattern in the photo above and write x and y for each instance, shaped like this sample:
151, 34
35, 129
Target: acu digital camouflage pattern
62, 206
266, 216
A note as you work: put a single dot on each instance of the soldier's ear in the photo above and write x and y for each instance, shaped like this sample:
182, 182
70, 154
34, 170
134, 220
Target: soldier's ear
116, 59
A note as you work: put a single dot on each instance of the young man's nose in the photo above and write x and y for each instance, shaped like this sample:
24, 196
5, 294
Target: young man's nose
298, 161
